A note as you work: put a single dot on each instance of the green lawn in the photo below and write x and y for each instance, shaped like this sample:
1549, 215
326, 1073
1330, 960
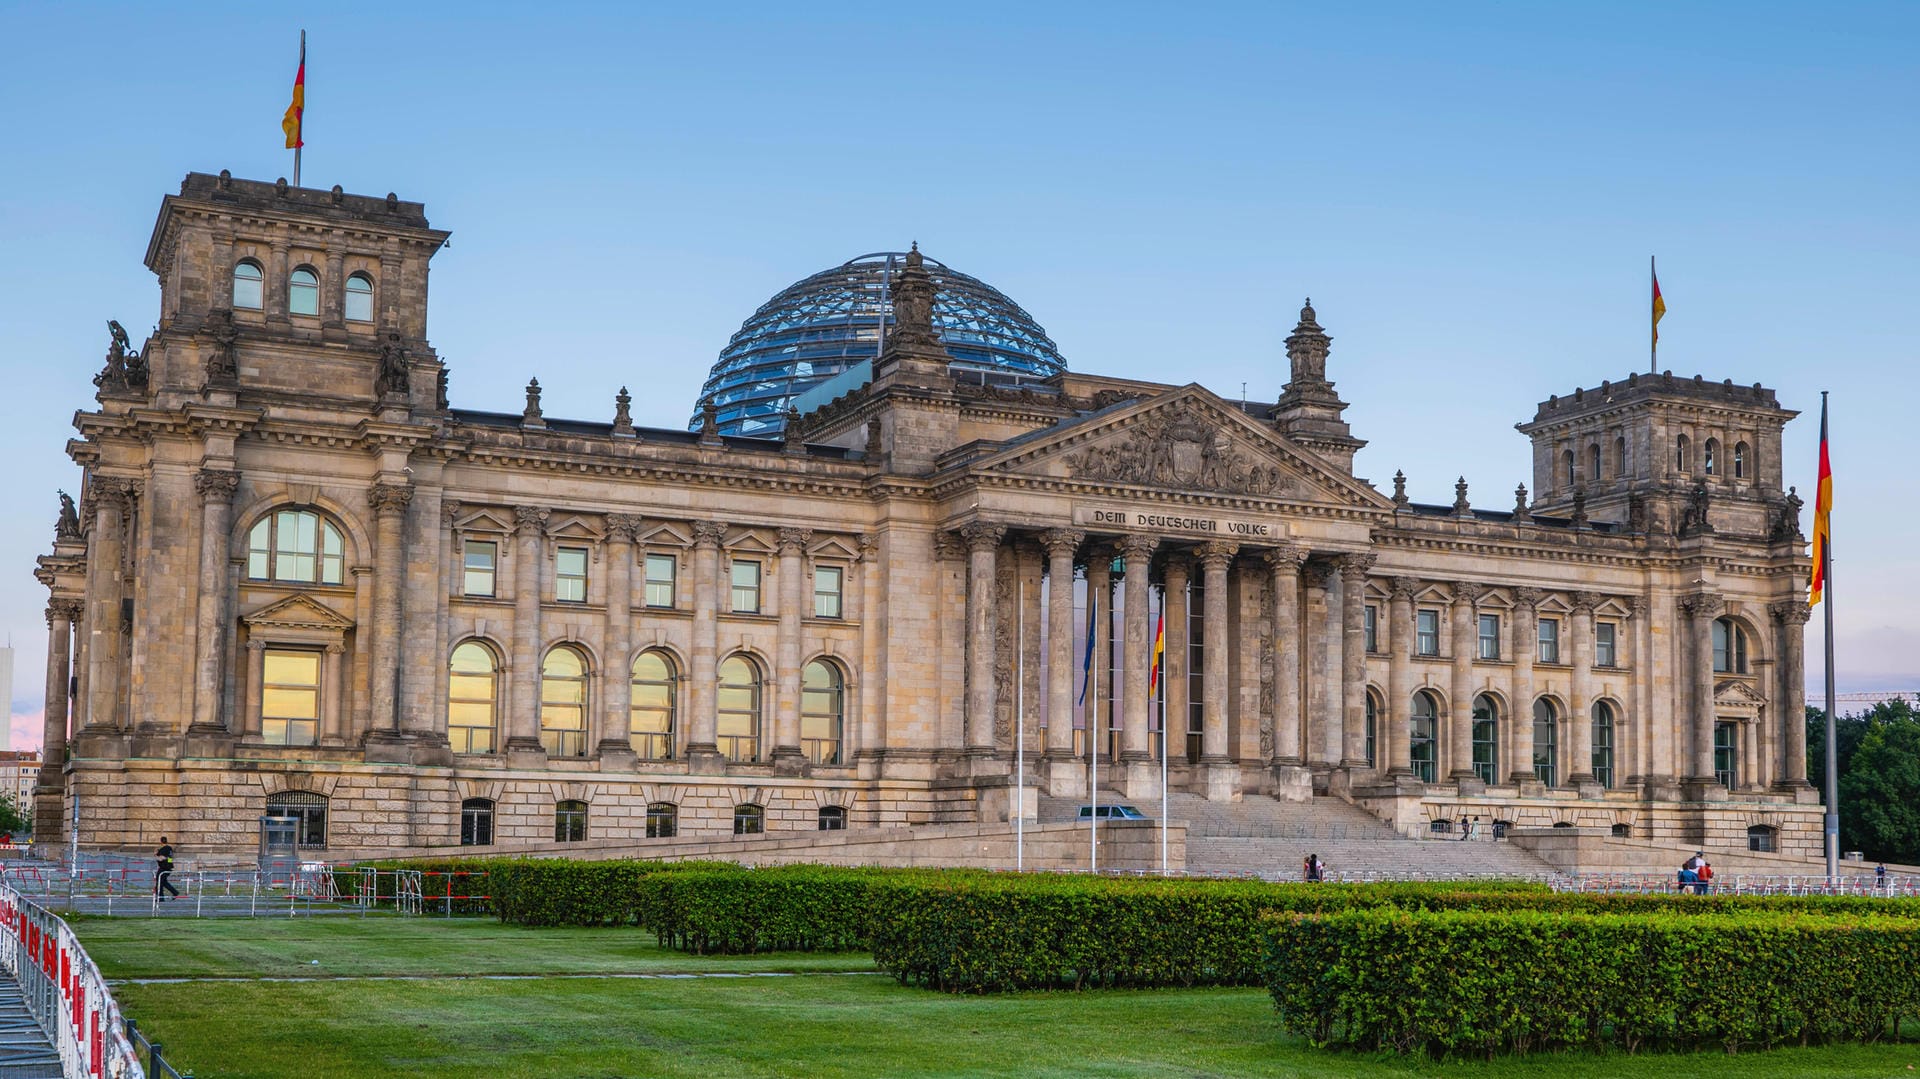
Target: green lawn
818, 1023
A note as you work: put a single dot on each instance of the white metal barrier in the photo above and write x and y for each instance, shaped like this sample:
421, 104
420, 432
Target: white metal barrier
64, 991
1892, 886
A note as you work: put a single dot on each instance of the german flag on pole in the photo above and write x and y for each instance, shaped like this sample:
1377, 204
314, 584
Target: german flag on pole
290, 123
1159, 652
1659, 309
1822, 509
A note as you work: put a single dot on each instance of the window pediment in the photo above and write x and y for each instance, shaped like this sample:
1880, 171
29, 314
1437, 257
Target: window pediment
1734, 697
300, 614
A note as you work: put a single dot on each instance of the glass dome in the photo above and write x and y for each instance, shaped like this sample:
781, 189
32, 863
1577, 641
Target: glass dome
824, 325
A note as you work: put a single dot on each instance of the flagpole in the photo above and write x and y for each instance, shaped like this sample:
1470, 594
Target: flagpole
303, 111
1163, 743
1020, 734
1653, 328
1093, 737
1826, 600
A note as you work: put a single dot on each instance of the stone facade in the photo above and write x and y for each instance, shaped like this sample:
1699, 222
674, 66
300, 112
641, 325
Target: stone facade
299, 580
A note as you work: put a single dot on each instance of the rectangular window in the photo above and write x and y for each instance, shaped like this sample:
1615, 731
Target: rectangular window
476, 823
1373, 628
1726, 748
290, 698
826, 592
1549, 640
1603, 648
479, 568
1489, 636
746, 586
570, 575
660, 573
1427, 633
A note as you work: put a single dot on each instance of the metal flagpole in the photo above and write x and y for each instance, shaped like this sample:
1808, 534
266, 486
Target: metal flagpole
303, 109
1826, 600
1162, 671
1020, 734
1653, 328
1093, 738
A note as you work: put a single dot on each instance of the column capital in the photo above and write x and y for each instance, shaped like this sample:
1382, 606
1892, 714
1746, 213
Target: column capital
1637, 604
1216, 554
70, 609
624, 527
1285, 557
1704, 604
1405, 588
1526, 597
795, 540
256, 645
388, 498
1138, 546
1585, 602
1791, 612
216, 484
869, 545
982, 535
1062, 541
450, 511
113, 492
1468, 593
706, 534
529, 519
1321, 573
1354, 567
947, 547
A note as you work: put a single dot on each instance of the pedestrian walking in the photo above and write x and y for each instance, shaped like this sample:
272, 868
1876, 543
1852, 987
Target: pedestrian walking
1705, 873
1311, 868
163, 870
1473, 829
1464, 823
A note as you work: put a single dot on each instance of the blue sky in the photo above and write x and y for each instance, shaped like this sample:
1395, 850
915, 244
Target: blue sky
1469, 192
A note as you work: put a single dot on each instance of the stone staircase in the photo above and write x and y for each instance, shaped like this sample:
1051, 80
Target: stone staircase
1260, 836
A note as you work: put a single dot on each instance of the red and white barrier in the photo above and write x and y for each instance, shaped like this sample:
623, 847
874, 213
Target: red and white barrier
64, 991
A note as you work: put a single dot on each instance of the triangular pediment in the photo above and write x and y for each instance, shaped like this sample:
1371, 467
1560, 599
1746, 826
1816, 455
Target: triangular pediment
1736, 695
298, 612
1188, 441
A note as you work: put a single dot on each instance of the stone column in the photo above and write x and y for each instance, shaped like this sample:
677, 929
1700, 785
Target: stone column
389, 503
333, 694
1100, 603
983, 545
1135, 702
106, 553
1353, 655
872, 738
1289, 746
1321, 725
1580, 702
1703, 608
1173, 671
523, 731
1526, 639
1791, 616
1065, 779
61, 616
703, 752
216, 488
787, 758
616, 741
1400, 677
256, 675
1221, 773
1460, 720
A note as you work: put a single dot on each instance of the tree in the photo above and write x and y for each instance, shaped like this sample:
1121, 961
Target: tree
1878, 753
12, 821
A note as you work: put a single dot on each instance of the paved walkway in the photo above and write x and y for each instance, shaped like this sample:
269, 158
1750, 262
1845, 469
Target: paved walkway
25, 1052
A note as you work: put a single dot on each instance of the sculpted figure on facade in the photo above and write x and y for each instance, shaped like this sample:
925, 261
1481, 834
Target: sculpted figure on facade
67, 526
222, 369
1179, 447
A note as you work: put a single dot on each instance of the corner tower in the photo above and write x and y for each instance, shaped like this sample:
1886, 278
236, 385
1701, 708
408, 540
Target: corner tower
1308, 411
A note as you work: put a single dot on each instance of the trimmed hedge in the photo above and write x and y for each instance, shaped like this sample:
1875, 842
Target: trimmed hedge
1481, 982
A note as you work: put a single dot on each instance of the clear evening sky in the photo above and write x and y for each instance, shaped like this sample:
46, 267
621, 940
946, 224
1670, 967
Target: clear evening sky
1469, 192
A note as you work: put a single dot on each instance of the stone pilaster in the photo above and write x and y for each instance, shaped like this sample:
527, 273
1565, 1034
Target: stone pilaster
1321, 721
616, 742
106, 569
1399, 720
1173, 673
703, 752
1100, 605
1790, 617
1580, 703
1065, 778
1702, 608
1290, 777
49, 816
1466, 594
216, 487
1353, 680
1526, 634
787, 758
1222, 775
523, 714
389, 503
983, 544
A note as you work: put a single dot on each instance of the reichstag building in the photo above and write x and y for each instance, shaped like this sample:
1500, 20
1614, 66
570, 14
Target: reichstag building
299, 580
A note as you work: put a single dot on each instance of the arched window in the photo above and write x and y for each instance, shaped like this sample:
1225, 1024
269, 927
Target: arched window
309, 811
303, 292
1603, 743
563, 703
1707, 461
569, 822
1546, 742
1683, 454
663, 820
822, 712
473, 685
1739, 460
359, 298
650, 716
1593, 463
1620, 456
298, 546
476, 822
738, 722
749, 819
1566, 468
1486, 739
290, 696
1729, 647
1373, 727
1622, 831
1426, 723
1760, 838
247, 285
833, 818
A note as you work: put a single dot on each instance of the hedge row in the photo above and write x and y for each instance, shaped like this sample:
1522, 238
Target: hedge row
1478, 982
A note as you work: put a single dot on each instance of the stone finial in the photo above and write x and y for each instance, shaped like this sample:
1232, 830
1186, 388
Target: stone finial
1521, 514
1461, 507
1307, 348
623, 412
790, 440
530, 416
913, 293
873, 445
710, 424
1400, 500
1580, 521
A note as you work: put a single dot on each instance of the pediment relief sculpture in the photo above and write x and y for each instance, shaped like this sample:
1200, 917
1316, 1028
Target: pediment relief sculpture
1182, 447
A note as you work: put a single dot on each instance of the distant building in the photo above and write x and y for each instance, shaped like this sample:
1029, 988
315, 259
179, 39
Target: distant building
19, 776
6, 696
300, 581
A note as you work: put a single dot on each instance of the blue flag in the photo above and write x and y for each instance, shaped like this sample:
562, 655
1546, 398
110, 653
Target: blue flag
1086, 665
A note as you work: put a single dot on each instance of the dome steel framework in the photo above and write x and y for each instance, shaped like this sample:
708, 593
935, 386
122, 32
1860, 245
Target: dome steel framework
823, 325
